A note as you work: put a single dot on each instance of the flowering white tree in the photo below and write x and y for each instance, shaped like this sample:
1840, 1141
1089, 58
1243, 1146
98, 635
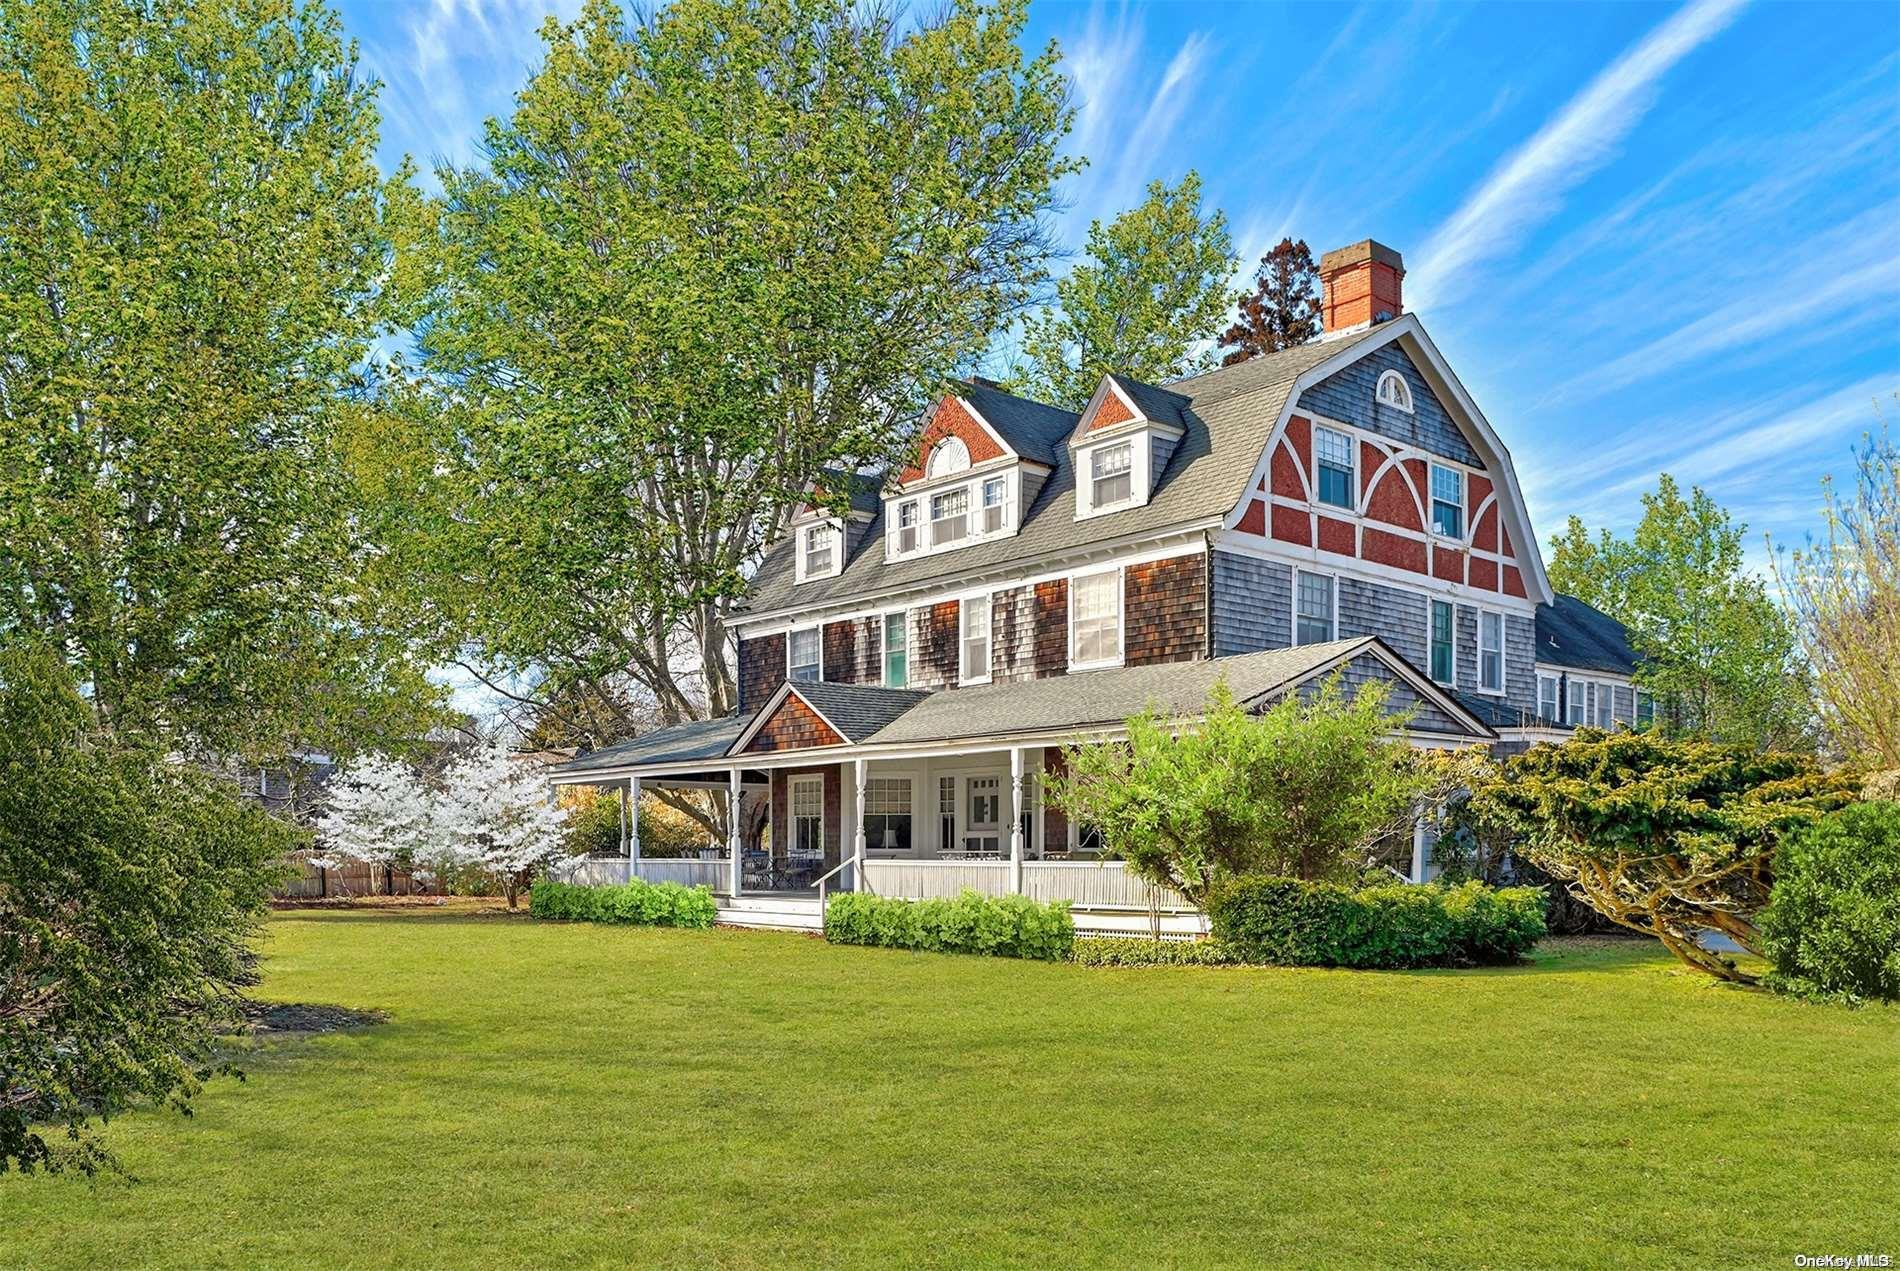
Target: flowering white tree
380, 813
495, 815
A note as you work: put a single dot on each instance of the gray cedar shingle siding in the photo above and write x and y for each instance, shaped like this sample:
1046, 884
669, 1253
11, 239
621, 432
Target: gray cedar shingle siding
1253, 604
1520, 661
1394, 614
1350, 397
1465, 641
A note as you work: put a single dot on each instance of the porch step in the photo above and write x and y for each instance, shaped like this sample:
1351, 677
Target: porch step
776, 913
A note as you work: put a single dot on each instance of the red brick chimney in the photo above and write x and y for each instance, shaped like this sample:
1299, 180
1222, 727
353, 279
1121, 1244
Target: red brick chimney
1360, 285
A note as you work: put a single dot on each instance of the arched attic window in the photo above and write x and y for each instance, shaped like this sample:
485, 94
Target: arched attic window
947, 456
1395, 392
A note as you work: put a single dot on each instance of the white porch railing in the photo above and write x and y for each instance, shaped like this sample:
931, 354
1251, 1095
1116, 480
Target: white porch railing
935, 880
1096, 885
595, 871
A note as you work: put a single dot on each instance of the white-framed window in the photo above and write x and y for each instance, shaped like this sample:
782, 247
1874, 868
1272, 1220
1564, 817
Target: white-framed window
1111, 475
1547, 697
821, 550
1605, 705
804, 654
904, 527
1334, 478
1395, 392
1491, 651
887, 814
1444, 652
1448, 501
1645, 709
1095, 620
995, 505
808, 816
949, 516
1576, 709
897, 650
973, 664
1313, 615
947, 456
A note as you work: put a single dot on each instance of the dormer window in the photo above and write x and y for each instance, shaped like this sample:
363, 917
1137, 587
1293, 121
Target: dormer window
1395, 392
949, 516
906, 531
1111, 475
995, 505
947, 456
821, 551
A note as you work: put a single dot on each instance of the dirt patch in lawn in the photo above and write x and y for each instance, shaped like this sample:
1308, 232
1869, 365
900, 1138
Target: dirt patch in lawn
304, 1019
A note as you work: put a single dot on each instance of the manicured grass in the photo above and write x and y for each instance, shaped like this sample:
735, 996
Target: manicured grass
551, 1093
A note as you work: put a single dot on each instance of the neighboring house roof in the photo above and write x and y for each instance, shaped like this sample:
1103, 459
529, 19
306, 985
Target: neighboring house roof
700, 739
1571, 633
1230, 415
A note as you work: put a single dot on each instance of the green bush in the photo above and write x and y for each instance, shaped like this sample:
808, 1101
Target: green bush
1293, 923
1832, 926
997, 926
1121, 951
646, 904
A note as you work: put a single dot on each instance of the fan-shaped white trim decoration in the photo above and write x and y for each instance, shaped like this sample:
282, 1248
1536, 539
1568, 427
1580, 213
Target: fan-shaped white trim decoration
947, 456
1395, 392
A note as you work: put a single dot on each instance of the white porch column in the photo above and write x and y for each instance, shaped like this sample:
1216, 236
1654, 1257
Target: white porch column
733, 850
633, 818
1418, 847
1016, 819
859, 769
625, 849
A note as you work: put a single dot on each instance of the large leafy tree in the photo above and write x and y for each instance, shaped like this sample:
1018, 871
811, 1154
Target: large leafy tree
1282, 310
1844, 593
195, 257
1147, 302
710, 256
130, 886
1672, 837
1717, 652
1306, 789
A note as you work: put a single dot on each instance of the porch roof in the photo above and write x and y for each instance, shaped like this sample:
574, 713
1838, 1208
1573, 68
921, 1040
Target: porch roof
699, 739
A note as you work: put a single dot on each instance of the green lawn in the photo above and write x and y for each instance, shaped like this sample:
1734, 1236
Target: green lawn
549, 1093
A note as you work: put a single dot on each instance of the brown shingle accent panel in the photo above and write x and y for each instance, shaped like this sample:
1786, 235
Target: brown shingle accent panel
950, 420
793, 726
761, 669
933, 646
1055, 826
852, 652
1165, 610
1113, 411
1013, 634
834, 811
1052, 627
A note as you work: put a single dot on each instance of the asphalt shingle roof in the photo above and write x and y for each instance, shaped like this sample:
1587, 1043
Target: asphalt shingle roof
1501, 714
700, 739
1229, 415
1574, 634
858, 710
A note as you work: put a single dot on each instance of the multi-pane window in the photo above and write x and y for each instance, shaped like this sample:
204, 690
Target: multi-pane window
1448, 501
975, 622
949, 455
946, 812
1547, 696
887, 814
907, 526
1491, 652
802, 652
1332, 453
821, 547
949, 516
1442, 652
1111, 474
1394, 391
808, 816
1313, 614
995, 505
896, 651
1096, 623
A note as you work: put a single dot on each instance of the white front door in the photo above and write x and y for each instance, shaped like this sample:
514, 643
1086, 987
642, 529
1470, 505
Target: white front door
983, 814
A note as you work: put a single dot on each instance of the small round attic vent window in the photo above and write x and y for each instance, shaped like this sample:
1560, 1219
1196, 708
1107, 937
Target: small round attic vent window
947, 456
1395, 392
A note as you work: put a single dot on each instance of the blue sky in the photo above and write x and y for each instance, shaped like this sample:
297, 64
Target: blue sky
1648, 237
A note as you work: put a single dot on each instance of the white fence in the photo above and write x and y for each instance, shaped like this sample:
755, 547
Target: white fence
595, 871
1090, 884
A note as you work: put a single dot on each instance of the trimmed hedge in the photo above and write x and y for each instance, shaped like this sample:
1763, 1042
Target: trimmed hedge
1292, 923
995, 926
1121, 951
648, 904
1832, 926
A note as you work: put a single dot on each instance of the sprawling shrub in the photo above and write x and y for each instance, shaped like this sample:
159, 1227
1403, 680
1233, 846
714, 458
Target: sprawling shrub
1294, 923
1832, 926
643, 903
998, 926
1121, 951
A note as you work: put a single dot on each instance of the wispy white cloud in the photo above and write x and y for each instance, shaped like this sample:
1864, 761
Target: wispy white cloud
1529, 185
